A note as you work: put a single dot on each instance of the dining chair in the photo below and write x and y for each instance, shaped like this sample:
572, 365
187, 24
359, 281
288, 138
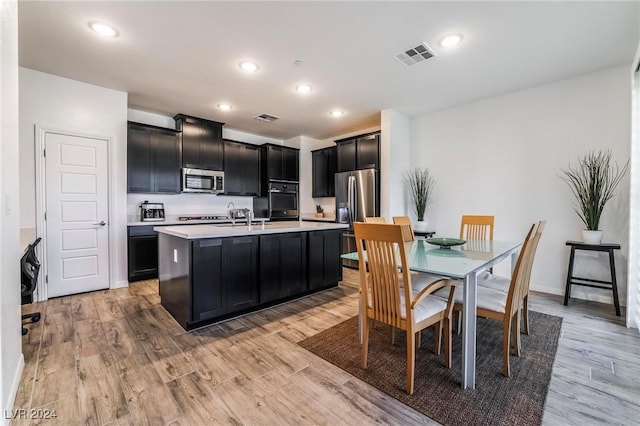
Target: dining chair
500, 283
407, 229
501, 306
476, 227
375, 219
387, 294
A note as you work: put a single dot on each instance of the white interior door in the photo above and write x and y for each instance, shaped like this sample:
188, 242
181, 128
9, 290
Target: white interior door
77, 236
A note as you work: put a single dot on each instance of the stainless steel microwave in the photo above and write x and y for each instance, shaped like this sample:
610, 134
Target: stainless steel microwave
205, 181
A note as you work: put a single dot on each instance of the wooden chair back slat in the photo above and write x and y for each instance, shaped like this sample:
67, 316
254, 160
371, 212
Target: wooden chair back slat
407, 229
519, 274
375, 219
476, 227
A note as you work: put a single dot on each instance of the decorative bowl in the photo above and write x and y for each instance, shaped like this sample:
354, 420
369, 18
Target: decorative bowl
445, 243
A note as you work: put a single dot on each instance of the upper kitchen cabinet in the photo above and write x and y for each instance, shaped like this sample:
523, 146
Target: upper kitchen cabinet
359, 152
323, 166
153, 159
241, 168
279, 163
202, 146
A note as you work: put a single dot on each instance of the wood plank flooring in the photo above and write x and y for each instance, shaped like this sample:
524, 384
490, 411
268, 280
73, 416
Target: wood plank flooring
116, 357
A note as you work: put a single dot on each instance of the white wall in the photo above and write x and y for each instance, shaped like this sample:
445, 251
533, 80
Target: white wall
11, 360
191, 204
503, 156
58, 103
395, 160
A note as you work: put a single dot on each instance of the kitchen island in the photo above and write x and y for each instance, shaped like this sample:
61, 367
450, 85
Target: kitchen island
209, 273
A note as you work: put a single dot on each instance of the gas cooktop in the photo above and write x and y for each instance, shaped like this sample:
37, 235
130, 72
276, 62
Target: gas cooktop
211, 217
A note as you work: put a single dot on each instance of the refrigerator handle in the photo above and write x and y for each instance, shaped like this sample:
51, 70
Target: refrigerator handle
354, 200
350, 198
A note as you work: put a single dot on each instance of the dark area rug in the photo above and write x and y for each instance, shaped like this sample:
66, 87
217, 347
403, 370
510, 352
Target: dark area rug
497, 400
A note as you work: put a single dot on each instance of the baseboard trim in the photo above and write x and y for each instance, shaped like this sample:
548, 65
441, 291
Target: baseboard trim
582, 294
120, 284
14, 389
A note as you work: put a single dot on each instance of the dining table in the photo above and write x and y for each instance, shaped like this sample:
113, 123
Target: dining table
464, 262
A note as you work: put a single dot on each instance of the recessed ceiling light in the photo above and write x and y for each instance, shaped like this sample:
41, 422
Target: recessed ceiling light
248, 66
224, 107
451, 40
303, 88
103, 29
336, 113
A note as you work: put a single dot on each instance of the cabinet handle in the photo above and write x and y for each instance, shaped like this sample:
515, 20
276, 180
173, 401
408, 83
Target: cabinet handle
102, 223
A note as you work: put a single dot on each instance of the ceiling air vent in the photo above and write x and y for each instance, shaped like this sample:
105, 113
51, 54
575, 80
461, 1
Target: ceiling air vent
266, 118
415, 54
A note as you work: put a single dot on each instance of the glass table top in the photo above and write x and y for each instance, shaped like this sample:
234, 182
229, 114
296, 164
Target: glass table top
456, 262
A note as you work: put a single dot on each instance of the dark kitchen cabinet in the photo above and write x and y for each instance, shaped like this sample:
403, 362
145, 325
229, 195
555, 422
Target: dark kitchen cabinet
209, 292
282, 268
202, 146
346, 155
279, 163
360, 152
241, 168
224, 276
142, 242
323, 170
324, 266
242, 272
153, 159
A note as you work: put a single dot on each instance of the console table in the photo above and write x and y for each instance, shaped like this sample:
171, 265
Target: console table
426, 234
588, 282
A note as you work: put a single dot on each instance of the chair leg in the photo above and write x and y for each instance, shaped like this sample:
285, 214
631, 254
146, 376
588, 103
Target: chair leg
447, 342
365, 344
525, 314
419, 339
506, 346
411, 361
459, 322
515, 328
438, 337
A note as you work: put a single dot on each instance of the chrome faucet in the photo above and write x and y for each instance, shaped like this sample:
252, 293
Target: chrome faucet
231, 209
247, 215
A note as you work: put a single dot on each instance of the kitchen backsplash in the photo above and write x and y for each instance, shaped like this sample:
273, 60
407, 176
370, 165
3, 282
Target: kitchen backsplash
187, 204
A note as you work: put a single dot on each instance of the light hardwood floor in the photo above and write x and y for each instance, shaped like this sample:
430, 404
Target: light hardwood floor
116, 357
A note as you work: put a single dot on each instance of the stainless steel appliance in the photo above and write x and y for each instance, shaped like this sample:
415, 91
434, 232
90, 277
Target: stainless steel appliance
203, 217
357, 197
283, 200
280, 203
206, 181
151, 212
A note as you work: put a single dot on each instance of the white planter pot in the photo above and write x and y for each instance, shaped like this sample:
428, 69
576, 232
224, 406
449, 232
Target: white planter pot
421, 226
592, 237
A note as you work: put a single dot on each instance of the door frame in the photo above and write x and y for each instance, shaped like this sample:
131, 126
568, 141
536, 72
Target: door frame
41, 293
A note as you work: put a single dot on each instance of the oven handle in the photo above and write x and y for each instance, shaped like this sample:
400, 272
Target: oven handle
283, 192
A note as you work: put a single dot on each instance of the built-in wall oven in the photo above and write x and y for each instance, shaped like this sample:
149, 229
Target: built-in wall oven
283, 200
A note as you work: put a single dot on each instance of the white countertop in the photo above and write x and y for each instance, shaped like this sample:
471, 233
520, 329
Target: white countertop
328, 217
193, 232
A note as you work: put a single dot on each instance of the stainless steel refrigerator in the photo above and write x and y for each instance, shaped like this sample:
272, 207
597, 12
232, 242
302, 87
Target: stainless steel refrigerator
357, 197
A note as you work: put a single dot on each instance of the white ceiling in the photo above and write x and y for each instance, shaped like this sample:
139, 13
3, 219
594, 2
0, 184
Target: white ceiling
182, 57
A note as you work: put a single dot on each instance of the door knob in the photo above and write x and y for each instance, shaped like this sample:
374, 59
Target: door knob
102, 223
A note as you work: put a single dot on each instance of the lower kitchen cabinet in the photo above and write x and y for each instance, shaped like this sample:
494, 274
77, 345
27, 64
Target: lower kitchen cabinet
224, 276
142, 253
206, 280
325, 266
242, 272
283, 261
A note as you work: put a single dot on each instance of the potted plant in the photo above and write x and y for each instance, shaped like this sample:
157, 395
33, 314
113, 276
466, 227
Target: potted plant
593, 182
420, 185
